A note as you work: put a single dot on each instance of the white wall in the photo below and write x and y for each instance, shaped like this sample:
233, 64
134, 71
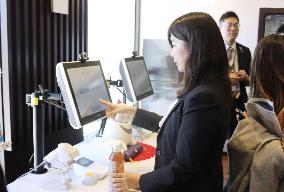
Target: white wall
111, 36
110, 32
111, 24
157, 15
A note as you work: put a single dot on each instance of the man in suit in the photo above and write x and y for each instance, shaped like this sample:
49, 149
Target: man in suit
239, 59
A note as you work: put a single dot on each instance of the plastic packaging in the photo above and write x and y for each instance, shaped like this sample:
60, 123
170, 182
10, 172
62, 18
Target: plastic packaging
132, 152
89, 178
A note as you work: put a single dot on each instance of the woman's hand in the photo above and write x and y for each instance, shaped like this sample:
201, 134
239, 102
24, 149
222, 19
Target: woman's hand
113, 109
119, 182
123, 181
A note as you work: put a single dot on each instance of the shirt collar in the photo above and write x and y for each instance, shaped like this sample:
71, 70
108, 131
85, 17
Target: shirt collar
233, 46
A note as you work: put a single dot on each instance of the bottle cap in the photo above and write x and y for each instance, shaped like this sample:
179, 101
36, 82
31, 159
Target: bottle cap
117, 147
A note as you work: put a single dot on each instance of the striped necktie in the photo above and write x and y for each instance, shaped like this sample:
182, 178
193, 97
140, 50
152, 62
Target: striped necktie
230, 51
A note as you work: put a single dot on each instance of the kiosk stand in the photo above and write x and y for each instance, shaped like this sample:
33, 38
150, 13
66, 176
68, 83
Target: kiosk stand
37, 101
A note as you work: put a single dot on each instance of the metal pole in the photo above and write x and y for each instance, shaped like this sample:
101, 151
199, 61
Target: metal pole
37, 101
137, 27
38, 132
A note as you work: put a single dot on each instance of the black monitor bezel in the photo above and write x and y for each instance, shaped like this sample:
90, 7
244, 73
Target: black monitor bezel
146, 94
98, 115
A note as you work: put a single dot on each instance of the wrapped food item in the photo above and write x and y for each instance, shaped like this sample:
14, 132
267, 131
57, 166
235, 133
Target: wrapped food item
133, 151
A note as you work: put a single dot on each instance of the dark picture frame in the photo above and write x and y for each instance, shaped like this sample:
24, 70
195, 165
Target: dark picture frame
275, 15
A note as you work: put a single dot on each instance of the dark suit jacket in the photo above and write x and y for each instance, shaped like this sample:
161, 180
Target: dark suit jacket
244, 60
189, 144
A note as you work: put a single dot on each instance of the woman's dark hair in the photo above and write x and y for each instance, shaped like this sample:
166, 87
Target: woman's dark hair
267, 71
207, 62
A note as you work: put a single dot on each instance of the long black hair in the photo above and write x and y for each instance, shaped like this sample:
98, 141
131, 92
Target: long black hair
207, 62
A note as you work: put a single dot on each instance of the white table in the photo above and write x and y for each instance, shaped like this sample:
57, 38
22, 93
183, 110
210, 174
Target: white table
97, 149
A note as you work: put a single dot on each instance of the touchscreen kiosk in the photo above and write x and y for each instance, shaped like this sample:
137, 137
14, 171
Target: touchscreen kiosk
135, 78
82, 84
137, 85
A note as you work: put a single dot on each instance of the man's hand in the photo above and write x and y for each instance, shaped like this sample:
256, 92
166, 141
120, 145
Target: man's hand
243, 76
234, 77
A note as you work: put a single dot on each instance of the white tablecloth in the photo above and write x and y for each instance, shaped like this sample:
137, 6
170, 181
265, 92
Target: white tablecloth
98, 150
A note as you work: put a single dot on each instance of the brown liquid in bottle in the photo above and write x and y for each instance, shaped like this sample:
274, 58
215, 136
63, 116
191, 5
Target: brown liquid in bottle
117, 159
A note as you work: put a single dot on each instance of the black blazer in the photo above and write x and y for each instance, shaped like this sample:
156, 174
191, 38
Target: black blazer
189, 145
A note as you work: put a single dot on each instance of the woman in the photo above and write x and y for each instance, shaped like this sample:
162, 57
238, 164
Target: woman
256, 156
191, 136
268, 73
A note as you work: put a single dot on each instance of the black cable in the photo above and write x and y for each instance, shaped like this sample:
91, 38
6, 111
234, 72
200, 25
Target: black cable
102, 128
55, 104
118, 89
42, 163
123, 93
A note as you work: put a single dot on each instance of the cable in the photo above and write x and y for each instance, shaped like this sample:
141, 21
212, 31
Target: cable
55, 104
119, 90
102, 128
31, 158
42, 163
116, 84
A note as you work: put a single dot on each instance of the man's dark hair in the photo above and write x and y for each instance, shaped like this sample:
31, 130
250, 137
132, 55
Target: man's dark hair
227, 15
280, 29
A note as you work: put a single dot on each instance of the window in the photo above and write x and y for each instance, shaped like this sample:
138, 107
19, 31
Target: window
110, 39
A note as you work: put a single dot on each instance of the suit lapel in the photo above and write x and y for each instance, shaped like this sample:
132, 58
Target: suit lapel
172, 110
240, 52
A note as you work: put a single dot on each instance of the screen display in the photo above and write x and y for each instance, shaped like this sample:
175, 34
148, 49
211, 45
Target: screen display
84, 162
88, 87
139, 77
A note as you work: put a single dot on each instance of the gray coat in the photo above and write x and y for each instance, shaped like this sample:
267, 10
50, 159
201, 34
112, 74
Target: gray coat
256, 158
